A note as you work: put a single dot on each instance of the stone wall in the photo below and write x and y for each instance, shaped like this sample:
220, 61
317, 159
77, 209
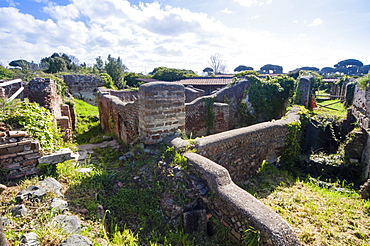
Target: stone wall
242, 151
304, 91
236, 208
84, 87
192, 93
361, 111
44, 92
196, 118
19, 154
119, 116
234, 155
161, 110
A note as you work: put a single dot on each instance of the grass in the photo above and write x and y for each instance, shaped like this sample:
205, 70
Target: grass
319, 215
88, 128
336, 108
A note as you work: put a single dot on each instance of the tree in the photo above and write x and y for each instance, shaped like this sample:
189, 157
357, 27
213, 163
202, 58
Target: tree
116, 70
57, 63
217, 63
349, 66
269, 68
171, 74
241, 68
99, 64
315, 69
208, 71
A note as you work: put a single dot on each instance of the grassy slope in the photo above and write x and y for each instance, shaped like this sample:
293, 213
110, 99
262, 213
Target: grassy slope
319, 216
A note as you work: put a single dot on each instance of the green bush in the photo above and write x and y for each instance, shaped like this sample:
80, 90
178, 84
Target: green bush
34, 119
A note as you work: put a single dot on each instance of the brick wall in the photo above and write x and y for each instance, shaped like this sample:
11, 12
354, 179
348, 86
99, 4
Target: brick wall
161, 110
18, 154
44, 92
119, 117
196, 115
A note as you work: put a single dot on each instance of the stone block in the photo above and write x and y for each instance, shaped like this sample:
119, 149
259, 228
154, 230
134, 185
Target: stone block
57, 157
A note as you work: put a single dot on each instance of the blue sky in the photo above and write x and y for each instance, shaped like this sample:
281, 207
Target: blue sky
185, 33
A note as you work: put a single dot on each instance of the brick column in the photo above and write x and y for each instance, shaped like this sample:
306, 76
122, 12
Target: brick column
161, 110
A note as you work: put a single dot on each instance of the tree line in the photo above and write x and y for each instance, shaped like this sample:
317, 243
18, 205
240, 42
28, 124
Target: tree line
117, 76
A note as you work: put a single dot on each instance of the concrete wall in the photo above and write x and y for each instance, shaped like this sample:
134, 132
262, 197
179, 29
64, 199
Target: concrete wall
161, 110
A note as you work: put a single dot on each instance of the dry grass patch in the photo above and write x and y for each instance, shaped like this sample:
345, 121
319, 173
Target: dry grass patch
321, 216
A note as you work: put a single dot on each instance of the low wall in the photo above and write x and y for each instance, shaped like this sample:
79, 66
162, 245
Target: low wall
196, 118
238, 209
19, 154
242, 150
119, 117
83, 87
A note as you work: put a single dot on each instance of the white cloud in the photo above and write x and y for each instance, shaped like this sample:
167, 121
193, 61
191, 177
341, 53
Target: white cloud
255, 17
144, 36
227, 11
295, 21
316, 22
250, 3
62, 12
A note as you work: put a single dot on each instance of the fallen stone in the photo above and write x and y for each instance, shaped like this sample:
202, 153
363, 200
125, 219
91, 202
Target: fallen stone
70, 224
365, 190
19, 211
76, 240
29, 239
58, 205
16, 134
5, 221
57, 157
32, 192
52, 185
113, 144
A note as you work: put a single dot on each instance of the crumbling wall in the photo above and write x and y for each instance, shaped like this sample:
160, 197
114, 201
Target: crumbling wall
192, 93
44, 92
19, 154
161, 110
200, 123
236, 208
117, 116
304, 91
361, 111
242, 151
83, 87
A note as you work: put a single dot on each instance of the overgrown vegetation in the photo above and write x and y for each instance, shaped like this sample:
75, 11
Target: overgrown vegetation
34, 119
269, 97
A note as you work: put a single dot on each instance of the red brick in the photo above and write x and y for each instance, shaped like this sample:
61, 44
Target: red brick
29, 162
